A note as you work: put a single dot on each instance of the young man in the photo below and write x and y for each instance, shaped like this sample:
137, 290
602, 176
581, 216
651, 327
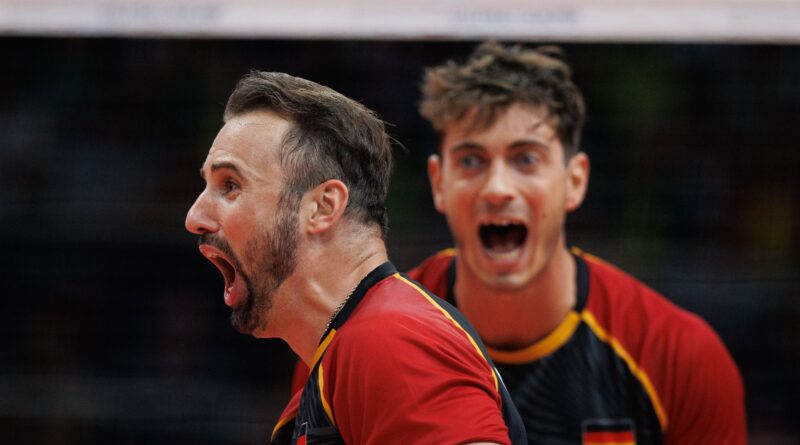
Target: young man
293, 216
590, 354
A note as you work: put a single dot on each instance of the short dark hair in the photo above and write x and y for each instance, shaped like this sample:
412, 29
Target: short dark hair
494, 77
330, 137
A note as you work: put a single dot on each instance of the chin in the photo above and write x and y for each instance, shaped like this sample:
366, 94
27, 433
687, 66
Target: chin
506, 282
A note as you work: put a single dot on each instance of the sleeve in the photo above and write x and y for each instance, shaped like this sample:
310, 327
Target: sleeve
709, 400
406, 383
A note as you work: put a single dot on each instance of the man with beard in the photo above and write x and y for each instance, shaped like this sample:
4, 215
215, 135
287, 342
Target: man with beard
589, 353
293, 216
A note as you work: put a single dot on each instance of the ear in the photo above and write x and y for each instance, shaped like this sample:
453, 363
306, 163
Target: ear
327, 203
435, 177
577, 181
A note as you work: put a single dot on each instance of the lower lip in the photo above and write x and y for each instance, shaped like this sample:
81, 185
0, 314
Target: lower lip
228, 297
505, 261
233, 299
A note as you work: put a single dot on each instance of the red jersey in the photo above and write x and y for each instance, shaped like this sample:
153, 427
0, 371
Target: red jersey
625, 366
398, 365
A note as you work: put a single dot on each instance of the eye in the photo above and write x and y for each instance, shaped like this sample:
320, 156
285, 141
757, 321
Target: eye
229, 186
526, 159
470, 162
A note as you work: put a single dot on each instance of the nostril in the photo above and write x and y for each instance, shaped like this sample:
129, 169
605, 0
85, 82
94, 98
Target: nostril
200, 224
194, 226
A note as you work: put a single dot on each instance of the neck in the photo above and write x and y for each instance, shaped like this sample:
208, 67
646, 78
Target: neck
324, 279
519, 317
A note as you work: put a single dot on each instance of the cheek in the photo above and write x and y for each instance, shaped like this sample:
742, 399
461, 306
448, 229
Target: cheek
241, 226
459, 199
458, 207
548, 202
542, 197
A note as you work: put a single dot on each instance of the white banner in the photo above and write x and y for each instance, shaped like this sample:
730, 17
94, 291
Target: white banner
540, 20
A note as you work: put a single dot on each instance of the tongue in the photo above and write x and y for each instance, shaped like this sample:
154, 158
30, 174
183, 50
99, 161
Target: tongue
501, 243
236, 292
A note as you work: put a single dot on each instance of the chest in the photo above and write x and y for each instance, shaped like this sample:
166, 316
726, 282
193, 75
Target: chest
583, 393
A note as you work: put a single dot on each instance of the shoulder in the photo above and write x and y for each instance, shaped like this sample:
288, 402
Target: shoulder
615, 296
401, 313
629, 307
432, 272
400, 353
672, 349
400, 325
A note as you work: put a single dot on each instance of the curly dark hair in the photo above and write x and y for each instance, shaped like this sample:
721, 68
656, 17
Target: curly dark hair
496, 76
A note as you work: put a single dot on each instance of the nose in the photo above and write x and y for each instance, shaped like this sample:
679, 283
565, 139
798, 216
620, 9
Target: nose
199, 219
498, 189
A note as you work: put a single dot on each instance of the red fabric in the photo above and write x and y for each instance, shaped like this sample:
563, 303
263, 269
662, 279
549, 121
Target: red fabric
601, 437
693, 374
434, 266
399, 371
432, 273
286, 420
300, 376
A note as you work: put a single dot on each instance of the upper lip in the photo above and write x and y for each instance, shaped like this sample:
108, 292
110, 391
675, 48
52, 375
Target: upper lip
210, 252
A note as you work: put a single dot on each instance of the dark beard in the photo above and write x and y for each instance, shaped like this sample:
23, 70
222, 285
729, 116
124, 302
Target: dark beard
274, 258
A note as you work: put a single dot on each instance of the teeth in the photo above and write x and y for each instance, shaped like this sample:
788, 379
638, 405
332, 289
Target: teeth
510, 255
500, 222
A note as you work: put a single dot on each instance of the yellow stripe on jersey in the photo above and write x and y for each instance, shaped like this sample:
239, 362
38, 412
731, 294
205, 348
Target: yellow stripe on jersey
321, 348
637, 371
456, 323
322, 398
560, 335
450, 251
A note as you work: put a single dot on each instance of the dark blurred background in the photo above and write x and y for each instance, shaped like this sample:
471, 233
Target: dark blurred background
113, 328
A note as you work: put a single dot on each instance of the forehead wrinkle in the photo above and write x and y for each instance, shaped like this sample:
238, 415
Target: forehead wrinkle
536, 125
249, 123
225, 165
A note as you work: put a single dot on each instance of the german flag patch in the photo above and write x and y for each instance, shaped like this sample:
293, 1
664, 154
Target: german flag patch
608, 432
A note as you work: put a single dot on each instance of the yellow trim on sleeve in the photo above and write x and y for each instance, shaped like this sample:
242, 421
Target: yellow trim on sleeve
325, 404
280, 425
632, 365
450, 251
560, 335
456, 323
587, 256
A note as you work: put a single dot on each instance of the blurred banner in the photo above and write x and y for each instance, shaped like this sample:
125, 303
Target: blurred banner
764, 21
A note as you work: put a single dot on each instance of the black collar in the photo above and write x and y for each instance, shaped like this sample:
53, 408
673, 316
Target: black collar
379, 273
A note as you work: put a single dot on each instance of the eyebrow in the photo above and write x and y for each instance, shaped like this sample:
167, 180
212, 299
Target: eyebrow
526, 142
227, 165
468, 145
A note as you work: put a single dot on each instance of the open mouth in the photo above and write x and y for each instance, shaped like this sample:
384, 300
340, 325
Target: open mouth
235, 287
502, 237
